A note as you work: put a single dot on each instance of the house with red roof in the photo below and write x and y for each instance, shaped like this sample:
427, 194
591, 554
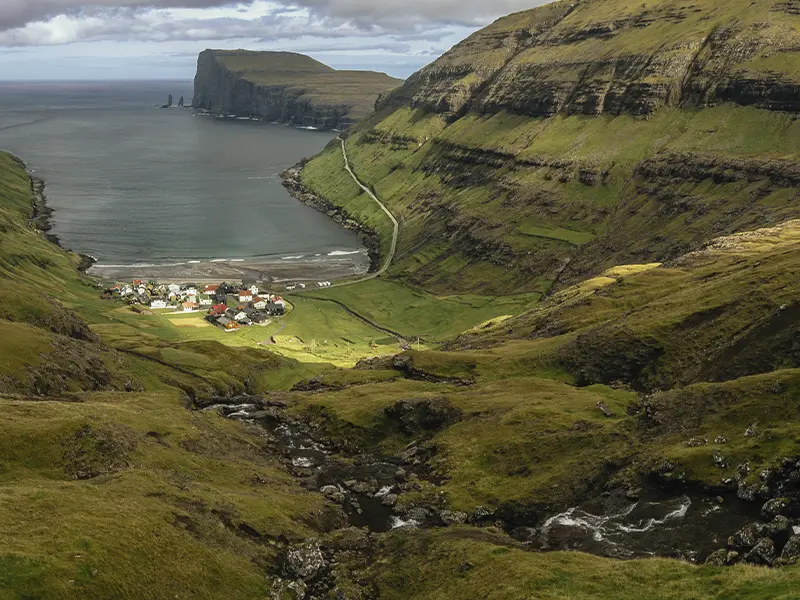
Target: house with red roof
219, 309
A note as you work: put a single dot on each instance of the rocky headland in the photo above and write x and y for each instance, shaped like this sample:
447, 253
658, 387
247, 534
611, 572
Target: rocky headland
285, 87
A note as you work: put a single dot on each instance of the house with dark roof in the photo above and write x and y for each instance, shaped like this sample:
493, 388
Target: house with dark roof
275, 310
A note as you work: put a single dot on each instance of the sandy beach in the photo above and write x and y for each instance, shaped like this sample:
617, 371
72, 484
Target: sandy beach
267, 270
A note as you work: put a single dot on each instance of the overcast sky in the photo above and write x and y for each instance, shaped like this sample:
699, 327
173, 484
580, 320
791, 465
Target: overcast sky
160, 39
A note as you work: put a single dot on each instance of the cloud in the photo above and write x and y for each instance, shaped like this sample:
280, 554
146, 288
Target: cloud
399, 15
161, 38
45, 22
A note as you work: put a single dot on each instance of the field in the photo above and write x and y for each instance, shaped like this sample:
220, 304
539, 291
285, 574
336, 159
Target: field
416, 314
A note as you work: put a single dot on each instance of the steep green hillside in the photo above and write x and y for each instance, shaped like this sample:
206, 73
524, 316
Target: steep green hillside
565, 140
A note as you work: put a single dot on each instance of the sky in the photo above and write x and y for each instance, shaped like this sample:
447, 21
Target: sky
160, 39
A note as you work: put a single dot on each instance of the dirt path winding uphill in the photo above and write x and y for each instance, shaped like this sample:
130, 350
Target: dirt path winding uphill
393, 248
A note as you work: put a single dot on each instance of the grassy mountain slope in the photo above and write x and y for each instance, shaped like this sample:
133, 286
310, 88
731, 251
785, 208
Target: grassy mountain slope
578, 136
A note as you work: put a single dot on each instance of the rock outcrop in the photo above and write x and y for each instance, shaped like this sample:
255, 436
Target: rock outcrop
285, 87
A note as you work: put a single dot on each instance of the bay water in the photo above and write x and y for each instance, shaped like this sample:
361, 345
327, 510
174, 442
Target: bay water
135, 185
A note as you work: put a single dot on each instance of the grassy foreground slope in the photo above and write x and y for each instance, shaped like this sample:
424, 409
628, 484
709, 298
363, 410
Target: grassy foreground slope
110, 486
119, 494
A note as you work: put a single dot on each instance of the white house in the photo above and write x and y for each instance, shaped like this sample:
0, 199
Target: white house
158, 303
242, 316
190, 307
259, 303
246, 296
254, 290
302, 286
205, 300
291, 288
174, 288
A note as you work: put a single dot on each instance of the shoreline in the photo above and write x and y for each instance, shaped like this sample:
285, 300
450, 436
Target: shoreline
267, 270
292, 182
264, 270
41, 218
272, 270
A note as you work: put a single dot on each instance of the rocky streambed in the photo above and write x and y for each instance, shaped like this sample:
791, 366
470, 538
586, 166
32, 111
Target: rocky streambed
689, 524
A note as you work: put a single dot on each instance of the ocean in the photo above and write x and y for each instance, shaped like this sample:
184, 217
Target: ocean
136, 186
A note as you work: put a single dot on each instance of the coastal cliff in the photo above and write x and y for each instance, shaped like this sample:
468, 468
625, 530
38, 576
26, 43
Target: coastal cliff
285, 87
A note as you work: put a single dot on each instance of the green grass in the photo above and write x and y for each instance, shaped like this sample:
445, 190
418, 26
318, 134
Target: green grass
414, 313
312, 80
463, 563
151, 523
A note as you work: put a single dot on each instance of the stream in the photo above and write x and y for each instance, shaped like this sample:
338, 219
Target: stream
687, 526
366, 487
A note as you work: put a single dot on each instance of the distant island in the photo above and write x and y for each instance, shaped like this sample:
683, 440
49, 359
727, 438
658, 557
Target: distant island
286, 87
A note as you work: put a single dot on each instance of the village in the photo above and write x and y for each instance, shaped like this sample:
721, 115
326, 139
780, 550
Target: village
227, 306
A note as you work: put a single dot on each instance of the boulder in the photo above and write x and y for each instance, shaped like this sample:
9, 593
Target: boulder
389, 500
778, 530
283, 589
746, 537
720, 461
452, 517
718, 558
775, 507
333, 493
359, 487
791, 551
418, 514
305, 561
763, 553
423, 415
